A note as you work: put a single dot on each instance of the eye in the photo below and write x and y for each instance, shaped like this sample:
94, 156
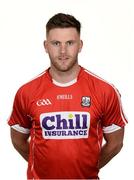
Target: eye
55, 43
70, 43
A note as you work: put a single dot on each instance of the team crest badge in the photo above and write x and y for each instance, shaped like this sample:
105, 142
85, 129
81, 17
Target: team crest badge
86, 101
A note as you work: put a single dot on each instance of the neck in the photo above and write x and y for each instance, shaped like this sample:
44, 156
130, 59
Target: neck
64, 77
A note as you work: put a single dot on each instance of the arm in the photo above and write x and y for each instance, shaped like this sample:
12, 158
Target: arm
20, 143
113, 145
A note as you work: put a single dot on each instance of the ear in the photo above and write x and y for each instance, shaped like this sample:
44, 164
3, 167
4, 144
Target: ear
81, 45
45, 46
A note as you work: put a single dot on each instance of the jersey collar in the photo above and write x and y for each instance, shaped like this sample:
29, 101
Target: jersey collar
64, 84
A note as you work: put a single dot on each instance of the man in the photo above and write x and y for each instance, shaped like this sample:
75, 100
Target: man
60, 118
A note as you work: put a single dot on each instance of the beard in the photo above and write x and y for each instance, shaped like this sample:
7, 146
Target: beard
63, 64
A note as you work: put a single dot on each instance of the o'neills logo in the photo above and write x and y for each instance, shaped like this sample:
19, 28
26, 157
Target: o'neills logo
65, 125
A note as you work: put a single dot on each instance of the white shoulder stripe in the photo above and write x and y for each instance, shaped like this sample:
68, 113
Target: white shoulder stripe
92, 74
41, 74
119, 99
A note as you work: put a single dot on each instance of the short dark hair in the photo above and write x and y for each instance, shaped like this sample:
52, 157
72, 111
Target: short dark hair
61, 20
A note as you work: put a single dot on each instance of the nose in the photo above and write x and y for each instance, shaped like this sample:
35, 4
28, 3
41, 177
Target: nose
63, 48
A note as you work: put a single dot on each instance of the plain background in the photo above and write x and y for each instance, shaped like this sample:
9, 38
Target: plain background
108, 35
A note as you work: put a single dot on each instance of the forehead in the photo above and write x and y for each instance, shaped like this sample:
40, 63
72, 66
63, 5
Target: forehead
63, 34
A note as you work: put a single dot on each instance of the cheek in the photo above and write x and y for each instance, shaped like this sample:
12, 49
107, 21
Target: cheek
74, 50
53, 52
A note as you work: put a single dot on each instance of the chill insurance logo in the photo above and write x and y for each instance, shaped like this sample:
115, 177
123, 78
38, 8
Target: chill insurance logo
65, 125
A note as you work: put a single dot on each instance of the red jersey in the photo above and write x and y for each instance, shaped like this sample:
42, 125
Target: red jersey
66, 123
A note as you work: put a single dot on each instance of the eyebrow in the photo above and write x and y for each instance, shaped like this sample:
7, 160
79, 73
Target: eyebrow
72, 40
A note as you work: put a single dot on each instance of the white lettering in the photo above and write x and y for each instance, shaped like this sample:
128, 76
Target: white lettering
64, 96
43, 102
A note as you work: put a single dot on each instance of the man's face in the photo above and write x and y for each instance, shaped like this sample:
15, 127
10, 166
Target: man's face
63, 46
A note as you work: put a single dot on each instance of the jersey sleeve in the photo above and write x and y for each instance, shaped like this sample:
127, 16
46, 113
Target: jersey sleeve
19, 119
113, 116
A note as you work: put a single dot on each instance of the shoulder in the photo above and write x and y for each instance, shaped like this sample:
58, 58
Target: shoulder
32, 86
102, 89
99, 84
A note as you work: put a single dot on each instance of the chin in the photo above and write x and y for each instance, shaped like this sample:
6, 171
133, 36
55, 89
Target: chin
63, 69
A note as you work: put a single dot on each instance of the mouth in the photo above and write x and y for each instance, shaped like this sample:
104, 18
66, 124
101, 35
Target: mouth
63, 58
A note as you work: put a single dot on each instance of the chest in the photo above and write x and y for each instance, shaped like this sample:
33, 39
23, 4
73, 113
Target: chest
65, 109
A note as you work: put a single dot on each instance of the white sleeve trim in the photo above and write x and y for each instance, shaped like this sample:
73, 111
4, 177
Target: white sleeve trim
110, 129
17, 127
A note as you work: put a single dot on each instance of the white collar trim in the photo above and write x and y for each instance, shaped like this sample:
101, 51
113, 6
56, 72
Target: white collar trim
64, 84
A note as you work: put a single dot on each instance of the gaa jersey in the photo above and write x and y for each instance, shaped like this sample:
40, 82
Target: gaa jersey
66, 123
